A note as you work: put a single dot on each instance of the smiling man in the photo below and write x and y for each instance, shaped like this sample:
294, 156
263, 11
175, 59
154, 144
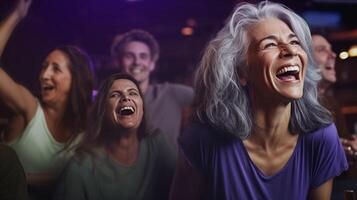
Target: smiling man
136, 53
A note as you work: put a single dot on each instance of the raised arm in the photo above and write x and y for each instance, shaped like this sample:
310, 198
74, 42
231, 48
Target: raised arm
13, 95
9, 23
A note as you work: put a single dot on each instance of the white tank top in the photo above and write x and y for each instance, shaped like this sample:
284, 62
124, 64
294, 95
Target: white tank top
38, 151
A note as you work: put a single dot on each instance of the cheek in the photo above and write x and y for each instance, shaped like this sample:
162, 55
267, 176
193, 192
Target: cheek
304, 60
41, 76
140, 108
258, 68
126, 67
141, 112
151, 65
67, 82
126, 62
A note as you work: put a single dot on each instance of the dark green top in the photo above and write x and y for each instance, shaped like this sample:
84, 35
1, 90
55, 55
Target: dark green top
12, 176
101, 177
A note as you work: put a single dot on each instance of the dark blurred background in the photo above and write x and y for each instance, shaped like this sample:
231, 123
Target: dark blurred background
182, 28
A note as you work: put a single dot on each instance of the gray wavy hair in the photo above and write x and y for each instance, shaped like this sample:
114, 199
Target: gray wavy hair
224, 103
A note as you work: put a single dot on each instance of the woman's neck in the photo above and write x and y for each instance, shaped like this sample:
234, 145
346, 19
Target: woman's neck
125, 149
55, 111
271, 123
57, 122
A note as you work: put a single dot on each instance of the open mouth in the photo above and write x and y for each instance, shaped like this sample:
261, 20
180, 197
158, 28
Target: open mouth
288, 73
126, 110
47, 87
329, 68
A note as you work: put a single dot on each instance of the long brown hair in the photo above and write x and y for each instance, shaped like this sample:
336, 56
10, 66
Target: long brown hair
80, 96
95, 135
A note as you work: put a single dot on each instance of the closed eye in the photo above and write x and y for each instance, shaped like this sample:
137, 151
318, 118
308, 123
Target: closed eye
114, 94
144, 56
128, 55
270, 45
295, 42
133, 94
56, 68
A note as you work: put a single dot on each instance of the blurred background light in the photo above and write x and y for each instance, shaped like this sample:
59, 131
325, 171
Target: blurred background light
322, 18
187, 31
343, 55
352, 52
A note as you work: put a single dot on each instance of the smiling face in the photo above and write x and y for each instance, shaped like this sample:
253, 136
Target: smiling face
124, 105
55, 78
324, 57
276, 61
137, 61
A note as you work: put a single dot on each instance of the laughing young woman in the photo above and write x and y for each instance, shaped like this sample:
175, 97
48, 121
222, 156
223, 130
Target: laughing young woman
119, 158
41, 130
259, 132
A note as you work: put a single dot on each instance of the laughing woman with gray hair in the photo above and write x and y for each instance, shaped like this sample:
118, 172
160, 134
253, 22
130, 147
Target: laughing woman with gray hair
258, 131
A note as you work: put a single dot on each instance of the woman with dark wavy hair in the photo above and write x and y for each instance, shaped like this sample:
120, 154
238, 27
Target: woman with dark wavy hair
258, 131
118, 157
42, 130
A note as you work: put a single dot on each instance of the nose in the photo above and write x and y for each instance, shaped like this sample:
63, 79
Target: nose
287, 50
125, 98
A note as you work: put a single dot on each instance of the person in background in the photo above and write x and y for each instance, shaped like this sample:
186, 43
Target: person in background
258, 131
119, 158
136, 53
42, 130
325, 59
12, 176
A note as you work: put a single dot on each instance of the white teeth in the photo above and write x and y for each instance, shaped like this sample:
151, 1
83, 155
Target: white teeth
47, 87
127, 108
136, 70
294, 68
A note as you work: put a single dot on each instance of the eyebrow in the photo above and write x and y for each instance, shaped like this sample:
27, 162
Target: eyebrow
323, 46
119, 91
56, 64
131, 89
132, 52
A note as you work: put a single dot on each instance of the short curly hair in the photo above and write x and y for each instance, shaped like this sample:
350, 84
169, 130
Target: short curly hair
137, 35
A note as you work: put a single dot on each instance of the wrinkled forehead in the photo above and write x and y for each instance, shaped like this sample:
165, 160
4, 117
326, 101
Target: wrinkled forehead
58, 55
136, 46
318, 40
60, 58
269, 28
123, 85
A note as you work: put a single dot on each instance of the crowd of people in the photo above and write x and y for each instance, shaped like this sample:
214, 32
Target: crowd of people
261, 126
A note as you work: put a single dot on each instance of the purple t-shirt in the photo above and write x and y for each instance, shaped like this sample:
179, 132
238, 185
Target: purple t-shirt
231, 174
